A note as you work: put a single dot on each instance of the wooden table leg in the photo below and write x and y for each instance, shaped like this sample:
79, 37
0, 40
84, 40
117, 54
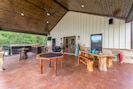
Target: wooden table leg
79, 60
61, 63
49, 63
55, 66
41, 66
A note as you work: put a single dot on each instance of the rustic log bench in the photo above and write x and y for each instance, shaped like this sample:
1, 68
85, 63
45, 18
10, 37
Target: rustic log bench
104, 61
89, 60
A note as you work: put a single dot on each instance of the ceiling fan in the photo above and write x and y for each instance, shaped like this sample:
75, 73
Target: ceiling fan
48, 7
49, 11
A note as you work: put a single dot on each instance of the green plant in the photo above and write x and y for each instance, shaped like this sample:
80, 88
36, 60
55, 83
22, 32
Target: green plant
7, 38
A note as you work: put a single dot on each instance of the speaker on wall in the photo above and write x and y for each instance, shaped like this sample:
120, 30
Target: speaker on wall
111, 21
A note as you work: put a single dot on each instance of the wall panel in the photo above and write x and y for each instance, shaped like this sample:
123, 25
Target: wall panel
128, 35
116, 35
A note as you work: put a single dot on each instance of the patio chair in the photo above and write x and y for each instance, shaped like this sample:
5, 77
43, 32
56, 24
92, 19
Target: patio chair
56, 49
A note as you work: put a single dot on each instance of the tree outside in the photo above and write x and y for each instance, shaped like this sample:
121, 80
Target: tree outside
7, 38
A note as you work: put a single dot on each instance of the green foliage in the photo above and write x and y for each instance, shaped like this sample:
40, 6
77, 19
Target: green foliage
7, 38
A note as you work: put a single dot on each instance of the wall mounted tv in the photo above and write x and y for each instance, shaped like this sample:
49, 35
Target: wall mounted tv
96, 42
49, 38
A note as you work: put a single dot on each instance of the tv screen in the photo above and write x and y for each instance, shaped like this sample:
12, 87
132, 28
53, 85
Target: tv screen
96, 42
49, 38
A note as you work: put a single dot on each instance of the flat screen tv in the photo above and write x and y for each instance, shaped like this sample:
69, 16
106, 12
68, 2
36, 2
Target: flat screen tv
96, 42
49, 38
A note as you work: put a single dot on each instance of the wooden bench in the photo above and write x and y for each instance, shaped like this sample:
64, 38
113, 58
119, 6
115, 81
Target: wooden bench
104, 61
89, 61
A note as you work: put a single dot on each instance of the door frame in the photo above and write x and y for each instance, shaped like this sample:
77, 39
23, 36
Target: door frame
64, 43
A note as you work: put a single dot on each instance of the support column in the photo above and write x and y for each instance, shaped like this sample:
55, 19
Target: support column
132, 35
1, 61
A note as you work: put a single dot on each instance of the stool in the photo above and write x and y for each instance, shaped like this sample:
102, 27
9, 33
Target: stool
23, 54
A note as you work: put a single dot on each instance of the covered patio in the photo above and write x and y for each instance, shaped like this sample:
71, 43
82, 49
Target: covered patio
26, 75
89, 44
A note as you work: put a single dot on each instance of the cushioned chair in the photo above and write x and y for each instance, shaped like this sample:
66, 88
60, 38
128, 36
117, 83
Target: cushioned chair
56, 49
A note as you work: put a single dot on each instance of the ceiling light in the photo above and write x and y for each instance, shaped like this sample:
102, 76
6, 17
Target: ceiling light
48, 14
22, 14
47, 21
82, 5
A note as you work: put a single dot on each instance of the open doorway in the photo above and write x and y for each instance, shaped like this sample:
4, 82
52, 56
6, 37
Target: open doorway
69, 44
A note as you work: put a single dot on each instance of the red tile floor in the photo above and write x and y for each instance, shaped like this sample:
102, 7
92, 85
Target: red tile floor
25, 74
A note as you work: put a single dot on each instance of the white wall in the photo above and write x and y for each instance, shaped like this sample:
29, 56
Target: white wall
76, 24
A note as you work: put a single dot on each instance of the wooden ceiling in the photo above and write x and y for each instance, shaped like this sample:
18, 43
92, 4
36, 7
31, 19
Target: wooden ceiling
113, 8
35, 14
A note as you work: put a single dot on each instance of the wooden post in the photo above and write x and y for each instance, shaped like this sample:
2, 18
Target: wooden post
1, 60
132, 35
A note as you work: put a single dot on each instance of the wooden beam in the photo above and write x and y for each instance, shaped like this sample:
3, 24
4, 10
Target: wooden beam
57, 22
129, 17
16, 30
61, 5
99, 14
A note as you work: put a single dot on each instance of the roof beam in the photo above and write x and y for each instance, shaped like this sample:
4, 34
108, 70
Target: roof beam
130, 15
61, 5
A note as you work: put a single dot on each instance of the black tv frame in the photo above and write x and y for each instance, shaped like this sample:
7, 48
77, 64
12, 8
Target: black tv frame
101, 40
49, 38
